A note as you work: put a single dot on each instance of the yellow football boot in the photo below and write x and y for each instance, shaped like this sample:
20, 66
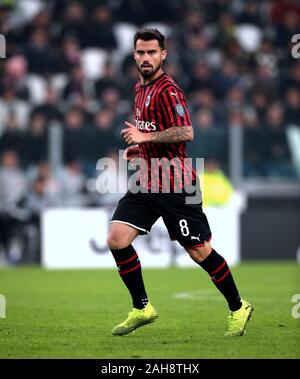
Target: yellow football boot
135, 319
237, 320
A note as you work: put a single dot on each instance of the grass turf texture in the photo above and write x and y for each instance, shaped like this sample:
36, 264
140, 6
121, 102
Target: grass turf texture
70, 314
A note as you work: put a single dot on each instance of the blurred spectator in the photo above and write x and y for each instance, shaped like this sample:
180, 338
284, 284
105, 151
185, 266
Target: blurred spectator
27, 214
216, 187
264, 80
107, 80
111, 180
52, 186
143, 11
129, 77
73, 185
259, 102
49, 106
41, 20
12, 138
68, 56
12, 188
229, 76
201, 77
197, 48
279, 8
192, 24
278, 158
250, 13
86, 106
111, 98
289, 25
293, 77
203, 98
210, 141
254, 145
235, 99
14, 78
36, 141
75, 139
10, 104
73, 21
99, 32
292, 106
225, 30
77, 86
266, 55
12, 179
104, 135
215, 9
39, 54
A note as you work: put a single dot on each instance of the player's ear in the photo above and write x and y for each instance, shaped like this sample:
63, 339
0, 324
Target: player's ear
164, 54
134, 54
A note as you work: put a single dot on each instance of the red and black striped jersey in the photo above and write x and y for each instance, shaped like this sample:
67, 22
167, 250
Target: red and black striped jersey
160, 105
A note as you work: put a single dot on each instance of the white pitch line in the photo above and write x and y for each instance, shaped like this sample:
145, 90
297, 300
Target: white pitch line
197, 295
207, 294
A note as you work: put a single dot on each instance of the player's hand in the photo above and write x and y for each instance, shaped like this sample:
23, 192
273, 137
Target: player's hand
131, 152
132, 135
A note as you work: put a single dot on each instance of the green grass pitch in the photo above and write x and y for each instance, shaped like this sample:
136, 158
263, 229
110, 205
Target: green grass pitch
70, 314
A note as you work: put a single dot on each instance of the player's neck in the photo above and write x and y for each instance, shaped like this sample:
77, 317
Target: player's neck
145, 81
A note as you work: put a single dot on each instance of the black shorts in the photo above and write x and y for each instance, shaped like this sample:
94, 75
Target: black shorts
186, 223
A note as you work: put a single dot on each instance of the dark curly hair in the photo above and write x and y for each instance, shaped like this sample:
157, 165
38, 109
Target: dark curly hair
149, 34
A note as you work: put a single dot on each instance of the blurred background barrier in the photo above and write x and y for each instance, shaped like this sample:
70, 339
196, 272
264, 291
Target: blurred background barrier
67, 85
270, 226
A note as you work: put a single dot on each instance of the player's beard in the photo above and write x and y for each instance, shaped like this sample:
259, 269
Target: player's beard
149, 72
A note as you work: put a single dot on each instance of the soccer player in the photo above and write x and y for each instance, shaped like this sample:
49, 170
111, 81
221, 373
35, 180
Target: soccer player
162, 127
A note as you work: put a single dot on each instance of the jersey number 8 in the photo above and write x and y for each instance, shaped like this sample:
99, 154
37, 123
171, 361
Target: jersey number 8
184, 227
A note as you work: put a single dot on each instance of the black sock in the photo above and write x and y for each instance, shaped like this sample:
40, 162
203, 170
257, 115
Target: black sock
129, 267
219, 271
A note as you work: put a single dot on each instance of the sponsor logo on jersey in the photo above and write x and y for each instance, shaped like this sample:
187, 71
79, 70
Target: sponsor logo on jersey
145, 125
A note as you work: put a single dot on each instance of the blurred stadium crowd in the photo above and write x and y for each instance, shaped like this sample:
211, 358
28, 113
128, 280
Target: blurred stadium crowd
70, 62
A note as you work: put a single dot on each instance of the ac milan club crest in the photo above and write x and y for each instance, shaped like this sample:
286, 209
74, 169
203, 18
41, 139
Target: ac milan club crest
148, 99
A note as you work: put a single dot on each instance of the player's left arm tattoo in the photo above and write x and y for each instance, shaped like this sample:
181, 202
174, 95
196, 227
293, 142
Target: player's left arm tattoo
175, 134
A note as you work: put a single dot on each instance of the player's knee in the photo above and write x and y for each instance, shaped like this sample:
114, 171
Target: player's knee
115, 242
199, 253
120, 236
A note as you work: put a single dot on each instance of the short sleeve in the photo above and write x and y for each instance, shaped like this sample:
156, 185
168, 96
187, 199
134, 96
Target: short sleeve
174, 107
